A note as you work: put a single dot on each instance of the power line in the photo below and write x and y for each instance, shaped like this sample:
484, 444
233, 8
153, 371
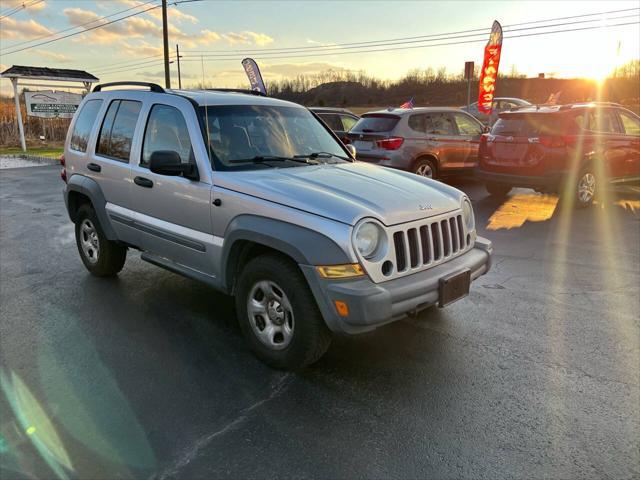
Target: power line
382, 43
196, 58
481, 30
22, 6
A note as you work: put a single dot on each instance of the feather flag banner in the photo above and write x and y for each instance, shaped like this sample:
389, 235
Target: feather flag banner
254, 75
407, 104
489, 72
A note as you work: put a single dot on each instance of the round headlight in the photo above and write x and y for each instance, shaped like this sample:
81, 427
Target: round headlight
467, 214
367, 238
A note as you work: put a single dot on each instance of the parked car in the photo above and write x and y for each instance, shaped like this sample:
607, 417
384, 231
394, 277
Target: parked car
428, 141
340, 120
576, 148
500, 104
257, 198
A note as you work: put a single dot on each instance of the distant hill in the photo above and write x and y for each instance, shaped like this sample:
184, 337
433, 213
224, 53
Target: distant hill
453, 92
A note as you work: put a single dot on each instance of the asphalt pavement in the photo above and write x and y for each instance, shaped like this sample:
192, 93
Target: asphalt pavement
534, 375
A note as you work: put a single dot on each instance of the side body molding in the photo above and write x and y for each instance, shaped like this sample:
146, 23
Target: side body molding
304, 246
90, 188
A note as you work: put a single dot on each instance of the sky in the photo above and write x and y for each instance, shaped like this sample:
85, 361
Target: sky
131, 49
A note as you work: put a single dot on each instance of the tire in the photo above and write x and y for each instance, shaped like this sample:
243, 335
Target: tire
586, 188
425, 167
102, 257
272, 293
498, 190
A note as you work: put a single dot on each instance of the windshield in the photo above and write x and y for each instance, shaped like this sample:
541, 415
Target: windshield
241, 137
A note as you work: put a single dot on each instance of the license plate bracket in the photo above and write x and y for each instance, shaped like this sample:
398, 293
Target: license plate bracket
454, 287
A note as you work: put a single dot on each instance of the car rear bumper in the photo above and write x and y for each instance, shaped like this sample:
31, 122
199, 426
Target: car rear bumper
548, 181
372, 305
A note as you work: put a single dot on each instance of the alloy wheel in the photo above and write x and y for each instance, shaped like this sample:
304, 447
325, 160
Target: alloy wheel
586, 187
89, 241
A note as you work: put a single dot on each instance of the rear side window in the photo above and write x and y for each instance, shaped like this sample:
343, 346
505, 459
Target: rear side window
84, 125
376, 123
118, 127
440, 124
166, 130
417, 123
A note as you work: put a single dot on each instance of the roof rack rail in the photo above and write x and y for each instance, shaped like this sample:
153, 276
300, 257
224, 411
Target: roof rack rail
236, 90
154, 87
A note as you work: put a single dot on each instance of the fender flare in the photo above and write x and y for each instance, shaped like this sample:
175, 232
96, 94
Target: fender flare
89, 188
303, 245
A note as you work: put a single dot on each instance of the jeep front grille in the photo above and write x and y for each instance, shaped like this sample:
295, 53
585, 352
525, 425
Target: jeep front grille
420, 245
429, 243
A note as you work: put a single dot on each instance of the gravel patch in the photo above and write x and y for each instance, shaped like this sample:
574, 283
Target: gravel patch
25, 161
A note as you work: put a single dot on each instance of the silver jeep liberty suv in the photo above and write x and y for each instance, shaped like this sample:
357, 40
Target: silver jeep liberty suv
259, 199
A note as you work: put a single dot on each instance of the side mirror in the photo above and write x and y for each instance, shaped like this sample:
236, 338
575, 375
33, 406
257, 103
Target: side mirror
168, 162
351, 149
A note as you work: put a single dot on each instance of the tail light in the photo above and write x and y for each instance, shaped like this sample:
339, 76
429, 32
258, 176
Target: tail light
393, 143
63, 171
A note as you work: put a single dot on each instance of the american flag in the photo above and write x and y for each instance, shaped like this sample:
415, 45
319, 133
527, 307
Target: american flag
407, 104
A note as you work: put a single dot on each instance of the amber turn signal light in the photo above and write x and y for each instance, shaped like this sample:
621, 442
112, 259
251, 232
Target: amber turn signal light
340, 271
342, 308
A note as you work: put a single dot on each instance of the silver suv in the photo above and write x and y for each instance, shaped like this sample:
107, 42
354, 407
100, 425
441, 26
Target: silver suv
259, 199
429, 141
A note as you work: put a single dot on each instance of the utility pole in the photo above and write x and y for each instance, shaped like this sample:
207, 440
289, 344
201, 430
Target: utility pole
178, 58
165, 39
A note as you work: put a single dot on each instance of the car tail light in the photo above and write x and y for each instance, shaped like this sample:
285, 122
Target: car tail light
63, 171
393, 143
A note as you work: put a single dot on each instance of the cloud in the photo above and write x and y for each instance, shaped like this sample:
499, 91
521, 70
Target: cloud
134, 27
57, 57
322, 44
174, 74
22, 29
247, 37
173, 14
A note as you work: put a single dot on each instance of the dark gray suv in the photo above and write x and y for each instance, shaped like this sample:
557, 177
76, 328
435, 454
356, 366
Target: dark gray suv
429, 141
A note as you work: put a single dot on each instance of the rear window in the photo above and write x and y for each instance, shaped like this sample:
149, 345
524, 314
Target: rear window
376, 123
84, 125
529, 125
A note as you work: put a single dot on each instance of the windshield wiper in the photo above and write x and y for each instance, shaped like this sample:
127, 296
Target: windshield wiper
315, 155
268, 158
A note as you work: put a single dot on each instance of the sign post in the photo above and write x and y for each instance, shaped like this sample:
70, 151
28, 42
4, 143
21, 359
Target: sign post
23, 143
468, 75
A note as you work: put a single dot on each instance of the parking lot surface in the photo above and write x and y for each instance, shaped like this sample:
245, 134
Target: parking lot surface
534, 375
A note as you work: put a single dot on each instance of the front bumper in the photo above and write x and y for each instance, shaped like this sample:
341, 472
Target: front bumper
372, 305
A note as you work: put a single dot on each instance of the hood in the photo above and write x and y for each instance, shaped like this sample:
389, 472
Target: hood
347, 192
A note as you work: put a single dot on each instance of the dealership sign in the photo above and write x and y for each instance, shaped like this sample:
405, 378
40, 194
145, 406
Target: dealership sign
50, 104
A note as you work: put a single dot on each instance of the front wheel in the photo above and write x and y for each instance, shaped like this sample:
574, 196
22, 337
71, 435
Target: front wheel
278, 314
586, 188
102, 257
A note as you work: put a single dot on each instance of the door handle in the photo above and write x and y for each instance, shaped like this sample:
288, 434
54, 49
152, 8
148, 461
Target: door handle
143, 182
94, 167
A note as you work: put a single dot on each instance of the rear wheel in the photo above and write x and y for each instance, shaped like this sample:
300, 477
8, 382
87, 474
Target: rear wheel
586, 188
498, 190
278, 314
102, 257
425, 168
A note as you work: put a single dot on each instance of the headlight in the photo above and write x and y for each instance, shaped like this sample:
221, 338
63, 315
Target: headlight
367, 239
467, 214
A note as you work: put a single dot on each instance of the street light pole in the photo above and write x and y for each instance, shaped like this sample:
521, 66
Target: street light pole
178, 58
165, 39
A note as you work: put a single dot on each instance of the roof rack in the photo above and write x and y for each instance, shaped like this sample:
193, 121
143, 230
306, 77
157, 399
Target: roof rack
236, 90
154, 87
